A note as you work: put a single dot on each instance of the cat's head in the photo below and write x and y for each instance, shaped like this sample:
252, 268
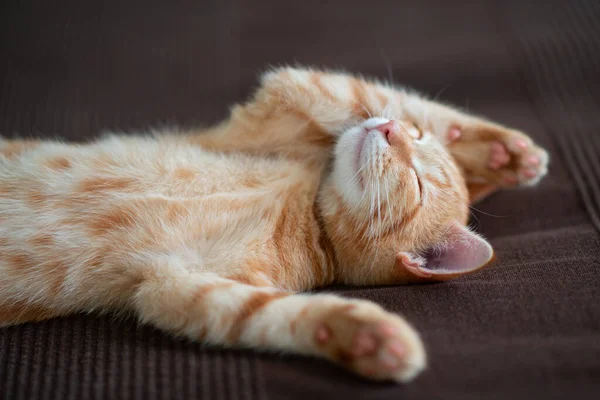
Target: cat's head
395, 206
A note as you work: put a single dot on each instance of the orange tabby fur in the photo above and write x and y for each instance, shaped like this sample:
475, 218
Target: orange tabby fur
209, 234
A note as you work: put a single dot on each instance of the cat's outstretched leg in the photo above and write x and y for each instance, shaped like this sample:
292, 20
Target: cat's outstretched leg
298, 112
165, 291
491, 156
301, 112
358, 335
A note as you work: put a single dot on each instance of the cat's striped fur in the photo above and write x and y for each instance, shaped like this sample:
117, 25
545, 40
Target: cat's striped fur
319, 178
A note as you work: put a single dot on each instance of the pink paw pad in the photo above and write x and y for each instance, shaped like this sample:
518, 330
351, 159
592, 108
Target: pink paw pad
322, 335
391, 356
520, 162
388, 329
533, 160
499, 156
454, 133
380, 344
364, 343
520, 143
530, 173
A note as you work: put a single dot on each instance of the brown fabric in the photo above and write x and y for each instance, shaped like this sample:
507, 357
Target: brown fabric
527, 327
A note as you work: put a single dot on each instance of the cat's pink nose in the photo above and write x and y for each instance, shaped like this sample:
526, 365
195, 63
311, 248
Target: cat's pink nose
391, 130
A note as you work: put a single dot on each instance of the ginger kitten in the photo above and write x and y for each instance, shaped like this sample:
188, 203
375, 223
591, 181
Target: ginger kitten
319, 178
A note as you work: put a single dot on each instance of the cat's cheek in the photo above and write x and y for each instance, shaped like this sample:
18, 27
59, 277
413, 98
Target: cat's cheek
345, 177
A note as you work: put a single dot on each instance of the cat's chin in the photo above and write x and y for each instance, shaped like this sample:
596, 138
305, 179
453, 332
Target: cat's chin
364, 135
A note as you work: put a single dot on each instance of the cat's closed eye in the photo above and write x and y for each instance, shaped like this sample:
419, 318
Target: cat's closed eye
419, 186
415, 131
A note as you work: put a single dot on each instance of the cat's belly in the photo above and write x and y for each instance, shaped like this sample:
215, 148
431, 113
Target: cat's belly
138, 195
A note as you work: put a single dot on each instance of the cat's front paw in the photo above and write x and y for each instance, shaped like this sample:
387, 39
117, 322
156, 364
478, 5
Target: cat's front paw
518, 160
501, 157
371, 342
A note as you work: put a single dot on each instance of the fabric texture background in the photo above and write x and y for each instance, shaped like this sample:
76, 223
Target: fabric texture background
526, 327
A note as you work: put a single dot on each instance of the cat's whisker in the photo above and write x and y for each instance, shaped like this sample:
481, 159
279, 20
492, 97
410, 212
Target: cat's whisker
476, 219
387, 195
388, 65
488, 214
426, 118
354, 178
387, 111
373, 208
440, 92
376, 235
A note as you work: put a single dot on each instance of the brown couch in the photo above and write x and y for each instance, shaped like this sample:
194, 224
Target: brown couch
527, 327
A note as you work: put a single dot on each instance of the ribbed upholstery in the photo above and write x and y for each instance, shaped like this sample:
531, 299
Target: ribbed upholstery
561, 69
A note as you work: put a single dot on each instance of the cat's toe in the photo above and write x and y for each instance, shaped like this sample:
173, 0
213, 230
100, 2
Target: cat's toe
532, 160
517, 161
518, 145
385, 352
532, 166
391, 356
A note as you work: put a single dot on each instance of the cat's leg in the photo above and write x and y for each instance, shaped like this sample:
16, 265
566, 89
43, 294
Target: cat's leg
358, 335
298, 111
490, 155
166, 292
301, 112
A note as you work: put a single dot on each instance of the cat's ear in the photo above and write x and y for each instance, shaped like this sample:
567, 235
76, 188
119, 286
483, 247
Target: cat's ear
461, 252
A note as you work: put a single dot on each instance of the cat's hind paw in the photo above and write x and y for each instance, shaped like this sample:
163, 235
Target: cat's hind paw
372, 343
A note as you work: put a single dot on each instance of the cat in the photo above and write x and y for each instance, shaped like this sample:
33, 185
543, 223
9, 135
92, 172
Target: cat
320, 177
